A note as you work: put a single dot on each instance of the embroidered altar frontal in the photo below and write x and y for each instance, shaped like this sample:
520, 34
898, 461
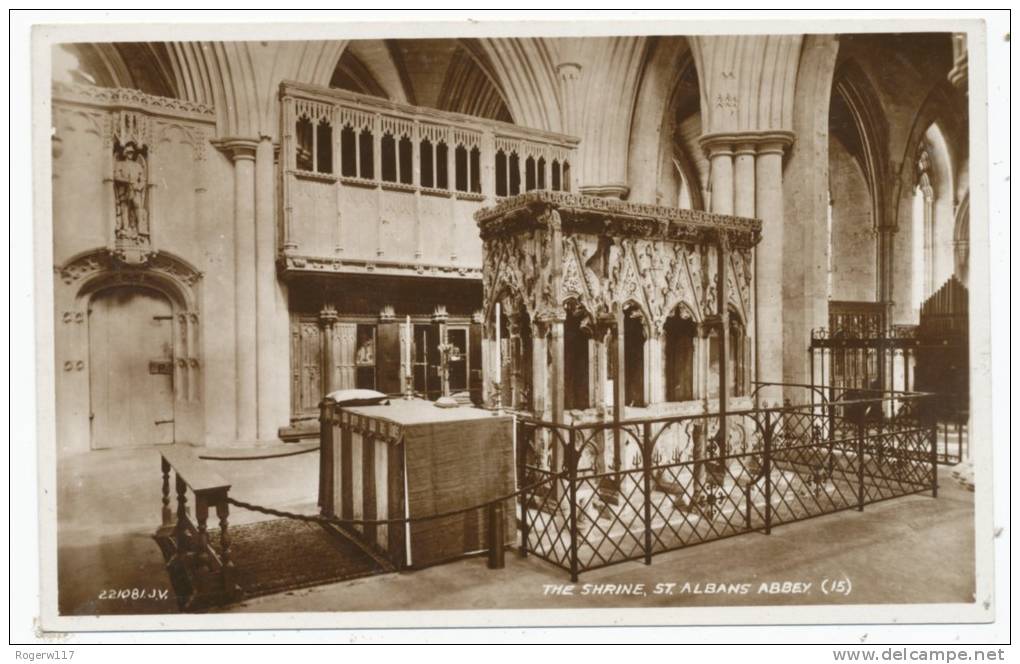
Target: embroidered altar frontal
408, 460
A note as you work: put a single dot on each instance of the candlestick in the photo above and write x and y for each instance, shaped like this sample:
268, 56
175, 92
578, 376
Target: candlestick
407, 350
408, 375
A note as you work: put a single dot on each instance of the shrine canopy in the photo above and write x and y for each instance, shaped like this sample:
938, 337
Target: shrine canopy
550, 252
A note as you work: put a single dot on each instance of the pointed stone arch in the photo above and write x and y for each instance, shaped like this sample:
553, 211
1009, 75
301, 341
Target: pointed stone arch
93, 272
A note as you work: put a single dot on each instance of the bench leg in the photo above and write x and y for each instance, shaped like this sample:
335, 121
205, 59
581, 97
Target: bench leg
180, 531
167, 513
227, 571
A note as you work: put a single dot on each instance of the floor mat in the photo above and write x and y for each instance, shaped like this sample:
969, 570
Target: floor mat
273, 557
285, 554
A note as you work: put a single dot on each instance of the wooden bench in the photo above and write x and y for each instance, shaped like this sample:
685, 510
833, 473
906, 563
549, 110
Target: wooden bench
187, 544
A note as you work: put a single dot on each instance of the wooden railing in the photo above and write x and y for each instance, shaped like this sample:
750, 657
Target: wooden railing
186, 543
369, 185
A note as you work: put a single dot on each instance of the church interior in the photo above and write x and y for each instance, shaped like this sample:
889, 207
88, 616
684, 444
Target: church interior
578, 229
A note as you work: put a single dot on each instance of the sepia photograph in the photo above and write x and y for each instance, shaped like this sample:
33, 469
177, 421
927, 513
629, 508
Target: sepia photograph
469, 324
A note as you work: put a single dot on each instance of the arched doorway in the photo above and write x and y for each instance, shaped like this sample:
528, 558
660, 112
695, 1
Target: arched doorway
131, 368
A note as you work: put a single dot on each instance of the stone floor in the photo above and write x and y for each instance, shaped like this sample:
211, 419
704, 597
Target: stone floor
909, 550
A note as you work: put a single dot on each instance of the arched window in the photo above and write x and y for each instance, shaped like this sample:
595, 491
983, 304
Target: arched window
388, 147
634, 358
404, 154
425, 158
304, 157
576, 359
476, 170
515, 173
460, 166
348, 152
737, 382
680, 334
933, 216
529, 174
442, 166
366, 160
501, 181
324, 148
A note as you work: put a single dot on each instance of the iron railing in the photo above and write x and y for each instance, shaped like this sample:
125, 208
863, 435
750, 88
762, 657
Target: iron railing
677, 483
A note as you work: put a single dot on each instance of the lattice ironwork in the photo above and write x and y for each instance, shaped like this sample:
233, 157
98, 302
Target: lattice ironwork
690, 480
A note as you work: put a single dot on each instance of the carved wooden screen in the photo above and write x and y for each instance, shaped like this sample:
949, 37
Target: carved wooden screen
346, 348
306, 365
942, 361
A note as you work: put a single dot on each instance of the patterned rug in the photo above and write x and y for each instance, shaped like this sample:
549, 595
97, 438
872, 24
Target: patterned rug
271, 557
284, 554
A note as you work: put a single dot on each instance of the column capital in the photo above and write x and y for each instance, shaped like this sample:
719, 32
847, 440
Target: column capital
746, 142
328, 315
617, 190
238, 148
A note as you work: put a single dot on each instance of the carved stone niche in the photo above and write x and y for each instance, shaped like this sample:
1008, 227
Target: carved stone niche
131, 186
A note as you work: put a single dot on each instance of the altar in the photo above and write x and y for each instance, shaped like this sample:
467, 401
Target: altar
409, 459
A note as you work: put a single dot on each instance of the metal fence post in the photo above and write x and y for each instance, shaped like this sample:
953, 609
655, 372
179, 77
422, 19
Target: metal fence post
646, 453
933, 431
522, 479
768, 471
497, 527
570, 456
860, 466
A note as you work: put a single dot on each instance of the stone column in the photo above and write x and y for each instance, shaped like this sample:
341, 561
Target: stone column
743, 185
769, 260
570, 78
701, 363
487, 370
655, 383
269, 414
328, 318
539, 370
487, 159
242, 151
556, 379
719, 151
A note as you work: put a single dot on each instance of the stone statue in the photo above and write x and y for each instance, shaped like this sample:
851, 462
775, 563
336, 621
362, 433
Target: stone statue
131, 186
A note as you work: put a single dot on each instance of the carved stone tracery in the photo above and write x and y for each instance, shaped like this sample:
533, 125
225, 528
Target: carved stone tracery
612, 254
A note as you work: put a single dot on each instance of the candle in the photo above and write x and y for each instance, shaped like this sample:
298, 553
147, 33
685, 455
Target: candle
499, 349
407, 350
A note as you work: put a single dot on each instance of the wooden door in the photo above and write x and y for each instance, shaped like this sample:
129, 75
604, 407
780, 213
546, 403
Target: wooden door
131, 368
306, 366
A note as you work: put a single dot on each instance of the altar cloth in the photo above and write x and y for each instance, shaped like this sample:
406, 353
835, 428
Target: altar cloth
410, 459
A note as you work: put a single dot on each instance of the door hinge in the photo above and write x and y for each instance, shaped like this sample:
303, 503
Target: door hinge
162, 318
163, 422
165, 367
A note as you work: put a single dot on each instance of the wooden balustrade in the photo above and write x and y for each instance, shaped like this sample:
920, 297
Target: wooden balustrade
374, 186
186, 543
